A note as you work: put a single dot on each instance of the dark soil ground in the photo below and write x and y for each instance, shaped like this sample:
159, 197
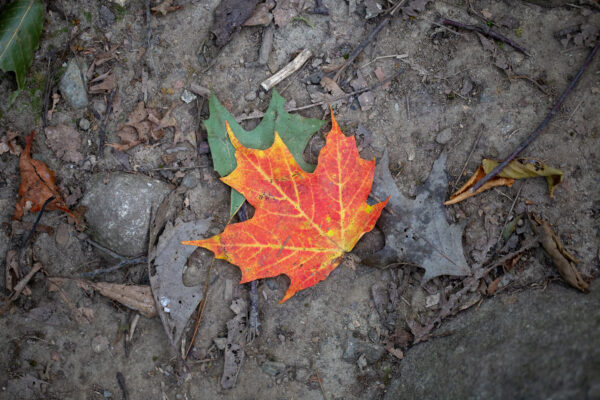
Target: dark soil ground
458, 94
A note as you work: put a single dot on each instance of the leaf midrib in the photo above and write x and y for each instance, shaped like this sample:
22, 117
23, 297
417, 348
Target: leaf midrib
16, 30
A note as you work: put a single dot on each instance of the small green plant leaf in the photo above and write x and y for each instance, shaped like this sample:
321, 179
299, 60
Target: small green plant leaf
294, 130
20, 30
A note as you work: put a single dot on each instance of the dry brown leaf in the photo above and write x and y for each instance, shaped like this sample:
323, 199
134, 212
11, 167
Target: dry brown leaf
562, 259
165, 7
136, 297
332, 87
65, 141
261, 15
107, 83
37, 185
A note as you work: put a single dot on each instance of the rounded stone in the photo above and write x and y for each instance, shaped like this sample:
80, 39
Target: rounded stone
118, 213
444, 136
84, 124
99, 344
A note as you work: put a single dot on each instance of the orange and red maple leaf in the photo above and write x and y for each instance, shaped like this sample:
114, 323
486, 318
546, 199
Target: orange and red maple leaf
304, 222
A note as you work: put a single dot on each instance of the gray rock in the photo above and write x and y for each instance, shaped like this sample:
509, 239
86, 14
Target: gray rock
272, 368
541, 344
107, 16
119, 212
356, 347
190, 181
72, 86
250, 96
84, 124
444, 136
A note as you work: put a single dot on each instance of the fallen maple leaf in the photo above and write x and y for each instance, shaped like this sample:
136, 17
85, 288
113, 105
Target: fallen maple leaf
304, 222
37, 185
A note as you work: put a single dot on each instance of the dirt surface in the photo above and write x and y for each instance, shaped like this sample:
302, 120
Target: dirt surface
457, 94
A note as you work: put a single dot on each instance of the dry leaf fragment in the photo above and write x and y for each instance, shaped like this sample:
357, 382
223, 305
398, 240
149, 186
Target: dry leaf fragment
107, 83
37, 185
165, 7
136, 297
65, 141
563, 260
9, 143
55, 100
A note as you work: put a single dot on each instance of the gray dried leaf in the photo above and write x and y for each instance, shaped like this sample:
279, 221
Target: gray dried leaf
176, 302
65, 141
417, 231
234, 348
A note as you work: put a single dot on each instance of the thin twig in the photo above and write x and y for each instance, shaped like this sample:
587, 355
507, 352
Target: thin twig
398, 56
200, 309
320, 384
487, 31
328, 101
50, 70
541, 126
368, 40
462, 171
104, 121
512, 206
37, 221
121, 264
121, 381
20, 286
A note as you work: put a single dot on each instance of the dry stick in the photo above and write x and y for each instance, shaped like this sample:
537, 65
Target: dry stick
365, 42
121, 264
19, 287
468, 158
487, 32
541, 126
200, 309
333, 100
104, 121
37, 221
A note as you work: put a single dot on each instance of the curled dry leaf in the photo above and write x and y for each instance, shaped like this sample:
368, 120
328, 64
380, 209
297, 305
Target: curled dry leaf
37, 185
518, 169
136, 297
8, 143
562, 259
103, 83
65, 141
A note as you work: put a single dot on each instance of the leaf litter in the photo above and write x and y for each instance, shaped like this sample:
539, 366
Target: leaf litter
65, 141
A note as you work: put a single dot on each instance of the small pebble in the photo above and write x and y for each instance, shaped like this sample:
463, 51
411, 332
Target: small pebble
99, 344
187, 96
84, 124
250, 96
444, 136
